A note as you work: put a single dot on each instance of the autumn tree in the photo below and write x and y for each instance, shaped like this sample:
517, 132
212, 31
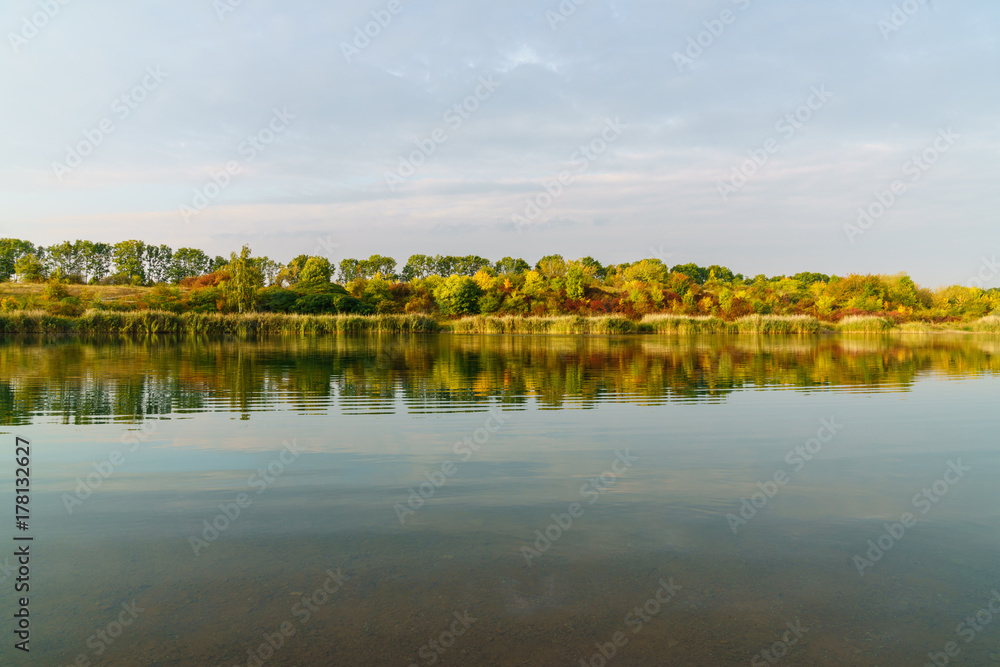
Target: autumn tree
244, 281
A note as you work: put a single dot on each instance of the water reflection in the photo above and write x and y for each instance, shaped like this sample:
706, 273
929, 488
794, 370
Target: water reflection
88, 380
707, 420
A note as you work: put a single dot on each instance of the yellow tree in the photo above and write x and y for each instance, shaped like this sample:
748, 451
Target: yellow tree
245, 279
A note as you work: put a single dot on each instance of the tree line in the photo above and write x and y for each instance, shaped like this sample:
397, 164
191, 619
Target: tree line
137, 263
188, 279
125, 263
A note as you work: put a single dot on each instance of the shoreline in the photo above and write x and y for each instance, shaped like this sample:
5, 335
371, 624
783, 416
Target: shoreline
162, 322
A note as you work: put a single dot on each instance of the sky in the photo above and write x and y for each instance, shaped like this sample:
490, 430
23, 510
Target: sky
771, 137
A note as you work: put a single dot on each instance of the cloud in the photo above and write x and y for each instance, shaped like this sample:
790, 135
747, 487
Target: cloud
658, 186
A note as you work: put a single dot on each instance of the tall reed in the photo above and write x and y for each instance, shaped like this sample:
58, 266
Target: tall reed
865, 324
35, 321
248, 324
778, 324
560, 324
988, 324
683, 324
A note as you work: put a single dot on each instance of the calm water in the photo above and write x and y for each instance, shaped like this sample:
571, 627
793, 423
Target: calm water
416, 478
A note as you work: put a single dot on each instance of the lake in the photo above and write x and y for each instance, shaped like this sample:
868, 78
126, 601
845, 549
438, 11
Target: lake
507, 500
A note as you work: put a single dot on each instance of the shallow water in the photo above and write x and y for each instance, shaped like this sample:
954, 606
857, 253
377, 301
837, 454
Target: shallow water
418, 470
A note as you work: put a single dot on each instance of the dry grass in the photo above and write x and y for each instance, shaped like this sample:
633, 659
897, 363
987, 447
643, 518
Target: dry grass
561, 324
866, 324
778, 324
683, 324
751, 324
989, 324
103, 292
250, 324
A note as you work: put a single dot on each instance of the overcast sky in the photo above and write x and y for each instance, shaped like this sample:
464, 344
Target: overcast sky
162, 95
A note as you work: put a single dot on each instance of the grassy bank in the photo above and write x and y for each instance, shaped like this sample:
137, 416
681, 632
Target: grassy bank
255, 324
751, 324
866, 324
563, 324
160, 322
669, 324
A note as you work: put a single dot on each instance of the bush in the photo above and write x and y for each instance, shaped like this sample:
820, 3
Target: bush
206, 300
491, 302
988, 324
163, 297
458, 295
316, 304
276, 300
68, 307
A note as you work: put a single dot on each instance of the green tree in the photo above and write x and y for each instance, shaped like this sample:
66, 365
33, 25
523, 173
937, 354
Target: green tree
12, 250
696, 273
188, 263
417, 267
129, 258
598, 271
551, 266
217, 264
379, 265
378, 295
721, 273
647, 271
458, 295
316, 271
269, 270
290, 272
807, 278
30, 269
96, 259
576, 283
445, 265
508, 266
470, 265
350, 270
244, 281
158, 260
67, 259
